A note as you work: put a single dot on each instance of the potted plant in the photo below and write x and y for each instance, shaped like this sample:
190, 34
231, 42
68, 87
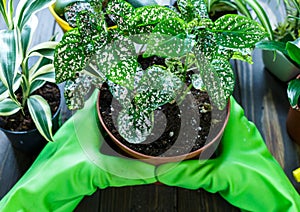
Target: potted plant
293, 92
280, 64
63, 11
186, 53
27, 78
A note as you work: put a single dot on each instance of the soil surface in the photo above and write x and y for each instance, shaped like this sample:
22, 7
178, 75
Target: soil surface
178, 128
20, 122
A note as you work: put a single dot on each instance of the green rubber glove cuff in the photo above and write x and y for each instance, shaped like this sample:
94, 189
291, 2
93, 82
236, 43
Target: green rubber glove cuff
244, 173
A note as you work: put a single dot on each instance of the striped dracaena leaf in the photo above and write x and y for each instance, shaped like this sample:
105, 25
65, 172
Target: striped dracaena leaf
8, 107
4, 91
27, 8
45, 49
41, 115
234, 31
45, 73
9, 57
27, 32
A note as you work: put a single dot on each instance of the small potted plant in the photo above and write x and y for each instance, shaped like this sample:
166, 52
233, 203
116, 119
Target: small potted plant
186, 53
280, 64
293, 92
27, 78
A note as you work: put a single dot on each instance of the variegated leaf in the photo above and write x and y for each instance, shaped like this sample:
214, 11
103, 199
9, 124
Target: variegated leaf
120, 11
27, 8
293, 92
9, 57
45, 49
134, 129
41, 115
27, 32
8, 107
70, 57
4, 91
191, 9
123, 73
45, 73
235, 31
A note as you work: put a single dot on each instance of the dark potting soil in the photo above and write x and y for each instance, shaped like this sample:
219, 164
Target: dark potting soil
20, 122
178, 129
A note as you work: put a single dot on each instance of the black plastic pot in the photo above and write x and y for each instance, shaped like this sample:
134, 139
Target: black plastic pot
30, 142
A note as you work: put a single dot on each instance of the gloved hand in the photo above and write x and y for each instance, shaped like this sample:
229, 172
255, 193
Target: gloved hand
72, 167
244, 172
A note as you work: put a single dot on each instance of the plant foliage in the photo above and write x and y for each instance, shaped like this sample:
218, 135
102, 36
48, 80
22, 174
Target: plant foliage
15, 71
186, 38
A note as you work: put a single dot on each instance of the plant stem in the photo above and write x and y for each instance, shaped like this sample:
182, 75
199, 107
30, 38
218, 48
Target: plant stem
182, 97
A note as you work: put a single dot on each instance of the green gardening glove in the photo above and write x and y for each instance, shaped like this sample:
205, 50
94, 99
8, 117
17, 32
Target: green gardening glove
72, 167
244, 172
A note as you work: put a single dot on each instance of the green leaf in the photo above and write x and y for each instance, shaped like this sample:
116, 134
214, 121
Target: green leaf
8, 107
156, 87
272, 46
41, 115
293, 49
27, 8
168, 46
218, 79
27, 32
293, 92
45, 73
45, 49
235, 31
69, 56
3, 90
191, 9
76, 91
10, 62
123, 73
134, 129
36, 84
120, 11
145, 18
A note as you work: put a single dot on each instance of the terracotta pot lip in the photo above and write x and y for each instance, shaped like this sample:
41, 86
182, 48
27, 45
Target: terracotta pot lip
35, 129
168, 158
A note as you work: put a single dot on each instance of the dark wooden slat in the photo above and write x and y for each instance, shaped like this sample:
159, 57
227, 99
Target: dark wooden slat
200, 200
89, 203
265, 102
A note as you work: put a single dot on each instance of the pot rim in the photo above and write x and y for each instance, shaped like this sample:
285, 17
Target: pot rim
156, 160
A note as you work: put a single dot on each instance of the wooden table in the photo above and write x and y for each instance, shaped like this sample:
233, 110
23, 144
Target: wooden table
265, 102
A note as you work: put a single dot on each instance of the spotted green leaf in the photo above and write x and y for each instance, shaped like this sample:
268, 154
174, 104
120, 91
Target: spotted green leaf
191, 9
70, 57
235, 31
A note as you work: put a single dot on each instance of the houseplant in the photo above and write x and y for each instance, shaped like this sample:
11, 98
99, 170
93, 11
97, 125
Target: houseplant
192, 47
25, 73
280, 64
293, 91
215, 9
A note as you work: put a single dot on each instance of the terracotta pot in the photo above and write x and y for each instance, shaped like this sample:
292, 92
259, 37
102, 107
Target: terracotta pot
293, 124
62, 23
206, 150
281, 67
